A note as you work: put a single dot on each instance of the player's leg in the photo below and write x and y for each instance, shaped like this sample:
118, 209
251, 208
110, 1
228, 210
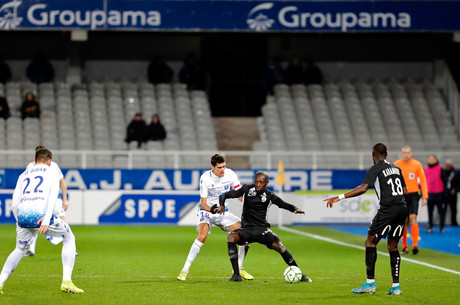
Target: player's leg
242, 250
371, 258
414, 228
395, 262
33, 244
232, 240
23, 239
59, 232
203, 230
404, 239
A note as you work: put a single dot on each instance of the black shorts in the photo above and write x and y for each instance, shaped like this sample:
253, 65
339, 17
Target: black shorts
389, 221
261, 235
412, 200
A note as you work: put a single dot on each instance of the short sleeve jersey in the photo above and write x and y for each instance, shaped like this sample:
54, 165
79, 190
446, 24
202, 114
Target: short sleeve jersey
212, 186
53, 165
388, 182
36, 188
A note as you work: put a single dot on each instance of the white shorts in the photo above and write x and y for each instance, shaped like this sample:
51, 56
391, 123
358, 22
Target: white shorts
55, 234
222, 221
59, 209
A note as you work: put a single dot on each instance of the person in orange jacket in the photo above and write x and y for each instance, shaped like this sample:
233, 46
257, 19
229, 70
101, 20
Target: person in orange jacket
413, 173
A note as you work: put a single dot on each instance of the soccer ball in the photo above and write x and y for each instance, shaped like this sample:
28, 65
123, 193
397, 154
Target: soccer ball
292, 274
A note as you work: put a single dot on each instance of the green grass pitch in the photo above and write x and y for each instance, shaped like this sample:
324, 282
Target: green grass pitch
139, 265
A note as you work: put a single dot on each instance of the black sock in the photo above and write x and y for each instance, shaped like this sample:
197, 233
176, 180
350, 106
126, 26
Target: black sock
287, 256
371, 258
395, 261
233, 255
246, 249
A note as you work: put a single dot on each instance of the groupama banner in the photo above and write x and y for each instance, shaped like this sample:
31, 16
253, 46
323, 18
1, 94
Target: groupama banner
231, 15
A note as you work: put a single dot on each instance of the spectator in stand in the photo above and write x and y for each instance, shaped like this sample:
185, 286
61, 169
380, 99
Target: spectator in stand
5, 71
451, 187
40, 70
313, 74
159, 72
4, 108
294, 72
30, 107
193, 74
274, 74
435, 182
136, 130
156, 130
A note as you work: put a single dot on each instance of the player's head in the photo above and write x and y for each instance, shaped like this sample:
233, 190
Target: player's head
406, 153
43, 155
260, 181
432, 160
40, 147
379, 152
218, 165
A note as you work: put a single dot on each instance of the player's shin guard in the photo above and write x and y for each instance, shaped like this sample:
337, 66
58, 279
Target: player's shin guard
371, 258
404, 238
194, 250
242, 252
233, 255
68, 257
395, 261
11, 263
414, 231
288, 258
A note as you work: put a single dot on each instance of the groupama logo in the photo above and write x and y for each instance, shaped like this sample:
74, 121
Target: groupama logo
257, 21
9, 15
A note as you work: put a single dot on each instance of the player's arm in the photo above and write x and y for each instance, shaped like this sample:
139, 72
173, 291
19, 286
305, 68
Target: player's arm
359, 190
51, 182
206, 207
231, 194
287, 206
63, 186
423, 185
16, 195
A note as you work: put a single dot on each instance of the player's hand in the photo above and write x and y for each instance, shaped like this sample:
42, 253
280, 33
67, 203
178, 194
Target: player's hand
65, 204
42, 228
331, 201
299, 212
214, 209
222, 210
424, 202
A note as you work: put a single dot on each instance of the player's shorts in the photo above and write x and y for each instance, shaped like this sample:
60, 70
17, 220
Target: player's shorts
222, 221
56, 233
59, 209
389, 221
260, 235
412, 200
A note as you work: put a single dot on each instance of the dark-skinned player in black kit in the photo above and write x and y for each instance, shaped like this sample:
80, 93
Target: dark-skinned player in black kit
254, 225
389, 221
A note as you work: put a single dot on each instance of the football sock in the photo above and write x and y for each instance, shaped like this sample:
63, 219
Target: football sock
194, 250
68, 256
287, 256
395, 261
33, 243
371, 258
404, 238
11, 263
233, 255
414, 231
370, 281
395, 285
242, 252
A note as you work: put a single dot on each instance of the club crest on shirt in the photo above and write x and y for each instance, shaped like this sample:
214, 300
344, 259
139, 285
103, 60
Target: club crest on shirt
263, 197
252, 192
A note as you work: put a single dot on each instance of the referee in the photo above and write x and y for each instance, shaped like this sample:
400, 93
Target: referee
390, 218
254, 225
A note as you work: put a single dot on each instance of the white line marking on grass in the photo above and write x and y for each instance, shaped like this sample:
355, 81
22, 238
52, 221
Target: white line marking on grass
333, 241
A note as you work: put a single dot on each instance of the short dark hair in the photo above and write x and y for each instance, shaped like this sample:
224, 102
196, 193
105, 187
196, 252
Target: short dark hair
216, 159
43, 155
40, 147
381, 149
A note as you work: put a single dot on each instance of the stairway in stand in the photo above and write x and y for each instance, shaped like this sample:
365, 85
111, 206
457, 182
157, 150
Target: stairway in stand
236, 133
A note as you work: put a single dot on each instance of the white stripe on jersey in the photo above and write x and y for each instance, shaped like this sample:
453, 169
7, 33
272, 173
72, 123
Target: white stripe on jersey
377, 187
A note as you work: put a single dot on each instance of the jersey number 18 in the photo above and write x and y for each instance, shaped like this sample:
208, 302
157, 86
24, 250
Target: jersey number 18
399, 189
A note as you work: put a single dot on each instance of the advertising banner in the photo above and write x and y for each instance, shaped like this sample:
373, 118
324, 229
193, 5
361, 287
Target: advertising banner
231, 15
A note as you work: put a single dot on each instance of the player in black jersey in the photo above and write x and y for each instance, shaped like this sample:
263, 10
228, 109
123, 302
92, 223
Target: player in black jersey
254, 225
390, 218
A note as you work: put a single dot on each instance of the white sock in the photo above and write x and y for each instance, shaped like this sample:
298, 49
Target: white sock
11, 263
241, 255
370, 281
33, 243
68, 256
395, 284
194, 250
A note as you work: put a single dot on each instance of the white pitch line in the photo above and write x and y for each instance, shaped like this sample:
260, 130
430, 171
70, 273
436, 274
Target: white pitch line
333, 241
